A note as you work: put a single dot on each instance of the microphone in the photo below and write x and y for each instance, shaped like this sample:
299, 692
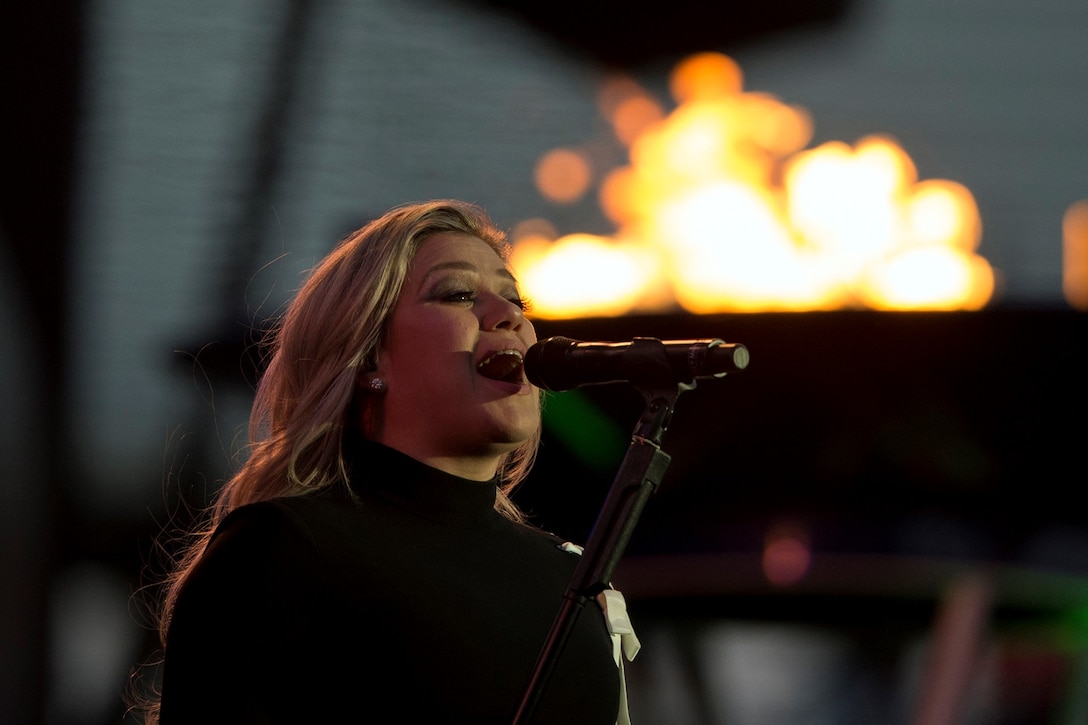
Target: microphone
559, 363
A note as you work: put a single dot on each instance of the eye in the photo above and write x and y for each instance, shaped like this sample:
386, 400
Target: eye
521, 302
455, 296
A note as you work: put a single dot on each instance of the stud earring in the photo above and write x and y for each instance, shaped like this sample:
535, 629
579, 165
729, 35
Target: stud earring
377, 385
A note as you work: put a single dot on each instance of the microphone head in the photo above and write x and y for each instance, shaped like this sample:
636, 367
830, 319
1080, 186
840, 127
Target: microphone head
544, 364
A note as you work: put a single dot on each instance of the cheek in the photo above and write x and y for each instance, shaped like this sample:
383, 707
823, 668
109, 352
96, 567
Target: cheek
432, 348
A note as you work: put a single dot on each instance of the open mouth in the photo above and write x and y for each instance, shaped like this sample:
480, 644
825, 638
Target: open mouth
504, 365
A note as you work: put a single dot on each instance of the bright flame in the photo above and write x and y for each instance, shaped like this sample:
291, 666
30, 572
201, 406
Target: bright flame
723, 209
565, 276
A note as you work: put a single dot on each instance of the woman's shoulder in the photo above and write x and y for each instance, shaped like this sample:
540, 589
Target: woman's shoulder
288, 527
280, 514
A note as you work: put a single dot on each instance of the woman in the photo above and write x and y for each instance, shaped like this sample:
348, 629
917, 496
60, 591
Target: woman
366, 563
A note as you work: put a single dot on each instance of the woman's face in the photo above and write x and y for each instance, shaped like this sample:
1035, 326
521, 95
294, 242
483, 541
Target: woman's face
456, 395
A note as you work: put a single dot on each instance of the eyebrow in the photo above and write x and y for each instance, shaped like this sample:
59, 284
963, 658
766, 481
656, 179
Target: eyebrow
463, 266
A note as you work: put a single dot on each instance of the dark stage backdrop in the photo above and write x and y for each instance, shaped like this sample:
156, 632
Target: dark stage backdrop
903, 446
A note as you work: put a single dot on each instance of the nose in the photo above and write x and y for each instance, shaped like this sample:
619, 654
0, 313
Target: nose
499, 313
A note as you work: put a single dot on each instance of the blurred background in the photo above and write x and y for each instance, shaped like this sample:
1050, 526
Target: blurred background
884, 200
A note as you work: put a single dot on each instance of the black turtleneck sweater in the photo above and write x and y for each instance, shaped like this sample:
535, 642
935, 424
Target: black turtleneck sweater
417, 602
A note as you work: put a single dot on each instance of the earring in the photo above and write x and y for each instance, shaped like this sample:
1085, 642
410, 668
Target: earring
377, 385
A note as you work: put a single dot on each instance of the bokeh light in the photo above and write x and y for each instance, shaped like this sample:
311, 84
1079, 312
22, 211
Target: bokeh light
723, 208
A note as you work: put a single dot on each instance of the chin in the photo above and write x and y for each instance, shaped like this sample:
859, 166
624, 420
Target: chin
518, 424
512, 437
511, 441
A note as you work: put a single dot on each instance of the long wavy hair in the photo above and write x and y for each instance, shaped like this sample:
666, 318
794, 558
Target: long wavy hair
305, 401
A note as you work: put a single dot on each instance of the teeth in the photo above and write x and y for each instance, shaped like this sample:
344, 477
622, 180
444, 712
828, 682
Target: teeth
501, 365
496, 355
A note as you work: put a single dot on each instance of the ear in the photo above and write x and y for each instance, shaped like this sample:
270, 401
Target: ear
368, 373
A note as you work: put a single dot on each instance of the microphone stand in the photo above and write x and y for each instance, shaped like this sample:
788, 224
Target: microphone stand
638, 477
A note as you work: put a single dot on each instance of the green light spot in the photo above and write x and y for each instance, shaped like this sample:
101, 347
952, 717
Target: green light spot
589, 434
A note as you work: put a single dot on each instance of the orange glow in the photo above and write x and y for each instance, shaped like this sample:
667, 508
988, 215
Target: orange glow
563, 175
723, 208
629, 109
705, 75
844, 201
1075, 255
943, 212
928, 278
566, 274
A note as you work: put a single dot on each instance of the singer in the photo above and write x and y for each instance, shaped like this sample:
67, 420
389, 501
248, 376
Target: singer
366, 563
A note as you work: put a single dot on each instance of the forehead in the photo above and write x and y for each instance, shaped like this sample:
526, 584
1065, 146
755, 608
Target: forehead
455, 250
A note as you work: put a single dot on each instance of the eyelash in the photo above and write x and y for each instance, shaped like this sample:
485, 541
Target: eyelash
470, 296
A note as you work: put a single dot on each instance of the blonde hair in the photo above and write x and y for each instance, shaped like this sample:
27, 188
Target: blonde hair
305, 400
